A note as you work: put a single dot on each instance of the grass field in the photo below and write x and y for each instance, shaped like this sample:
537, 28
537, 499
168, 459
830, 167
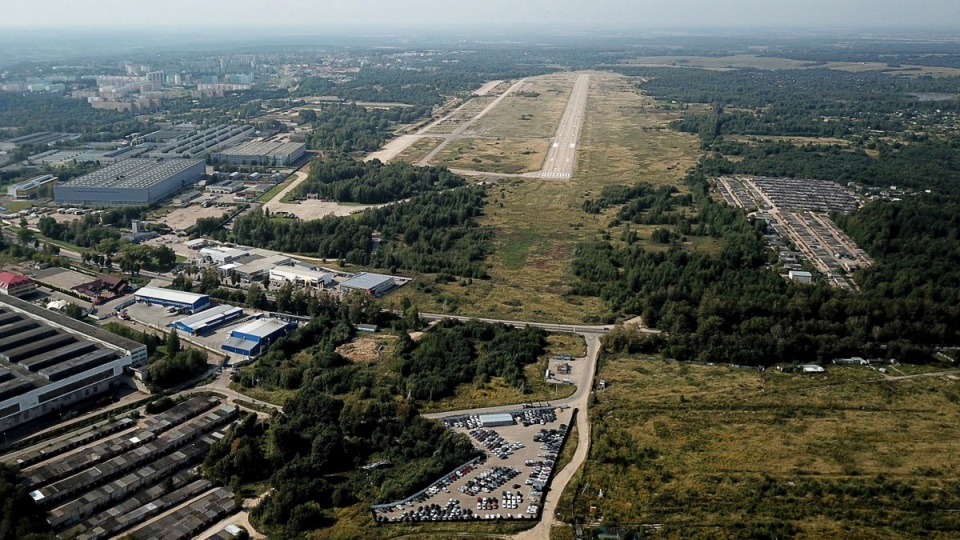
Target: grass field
534, 111
498, 392
718, 452
538, 223
566, 344
510, 156
418, 150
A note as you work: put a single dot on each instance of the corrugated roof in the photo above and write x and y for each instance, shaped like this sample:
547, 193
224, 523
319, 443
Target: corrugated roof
260, 327
133, 173
366, 281
169, 295
208, 317
8, 279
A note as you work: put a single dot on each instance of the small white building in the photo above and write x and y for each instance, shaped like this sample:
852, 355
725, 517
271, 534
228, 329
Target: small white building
812, 368
800, 276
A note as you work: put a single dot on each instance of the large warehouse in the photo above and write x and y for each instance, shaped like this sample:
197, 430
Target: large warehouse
370, 283
256, 336
205, 321
49, 361
191, 302
130, 182
264, 153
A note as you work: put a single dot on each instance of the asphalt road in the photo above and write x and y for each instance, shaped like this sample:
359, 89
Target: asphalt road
561, 157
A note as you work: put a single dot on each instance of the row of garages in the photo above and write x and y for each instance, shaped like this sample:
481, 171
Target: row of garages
107, 497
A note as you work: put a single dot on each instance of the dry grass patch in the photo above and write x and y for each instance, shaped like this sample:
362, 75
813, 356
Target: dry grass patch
494, 155
718, 448
566, 344
362, 350
418, 150
534, 111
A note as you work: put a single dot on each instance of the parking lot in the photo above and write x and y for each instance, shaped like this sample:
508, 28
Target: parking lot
158, 317
508, 480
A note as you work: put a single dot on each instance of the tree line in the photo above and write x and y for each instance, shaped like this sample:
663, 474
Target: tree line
730, 307
372, 182
430, 233
346, 128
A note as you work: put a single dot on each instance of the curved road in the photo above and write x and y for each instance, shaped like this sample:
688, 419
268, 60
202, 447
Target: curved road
579, 400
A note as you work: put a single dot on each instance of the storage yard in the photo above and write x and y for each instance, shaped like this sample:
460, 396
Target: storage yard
518, 453
796, 212
137, 477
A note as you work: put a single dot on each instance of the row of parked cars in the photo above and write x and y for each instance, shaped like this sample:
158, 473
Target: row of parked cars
489, 480
495, 443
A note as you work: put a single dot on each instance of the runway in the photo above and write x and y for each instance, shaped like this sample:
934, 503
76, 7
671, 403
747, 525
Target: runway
561, 157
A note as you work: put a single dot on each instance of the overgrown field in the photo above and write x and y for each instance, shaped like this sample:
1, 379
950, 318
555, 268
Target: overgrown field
538, 223
718, 452
509, 156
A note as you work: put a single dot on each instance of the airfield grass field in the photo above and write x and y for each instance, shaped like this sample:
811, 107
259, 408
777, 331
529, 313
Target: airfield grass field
533, 111
538, 223
720, 452
418, 150
509, 156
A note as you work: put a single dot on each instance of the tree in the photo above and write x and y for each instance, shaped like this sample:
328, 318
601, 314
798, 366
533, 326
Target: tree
256, 297
173, 342
75, 311
20, 517
25, 236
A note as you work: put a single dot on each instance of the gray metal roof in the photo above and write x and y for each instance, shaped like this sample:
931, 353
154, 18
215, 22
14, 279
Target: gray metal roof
367, 281
133, 173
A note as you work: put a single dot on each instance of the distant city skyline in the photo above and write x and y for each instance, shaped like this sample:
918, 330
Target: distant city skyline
449, 15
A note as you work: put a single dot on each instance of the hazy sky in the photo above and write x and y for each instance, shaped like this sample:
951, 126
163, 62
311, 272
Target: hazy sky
451, 14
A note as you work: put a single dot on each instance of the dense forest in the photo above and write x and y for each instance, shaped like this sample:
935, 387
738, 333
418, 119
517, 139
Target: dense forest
732, 308
455, 353
346, 128
431, 233
372, 182
31, 113
426, 86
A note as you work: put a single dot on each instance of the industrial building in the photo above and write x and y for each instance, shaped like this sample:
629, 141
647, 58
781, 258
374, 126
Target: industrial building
29, 189
255, 266
264, 153
130, 182
225, 188
197, 144
191, 302
49, 361
496, 420
299, 275
223, 255
256, 336
370, 283
207, 320
14, 284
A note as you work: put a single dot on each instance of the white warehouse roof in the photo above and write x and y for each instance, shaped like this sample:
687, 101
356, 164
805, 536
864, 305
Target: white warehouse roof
260, 327
169, 295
